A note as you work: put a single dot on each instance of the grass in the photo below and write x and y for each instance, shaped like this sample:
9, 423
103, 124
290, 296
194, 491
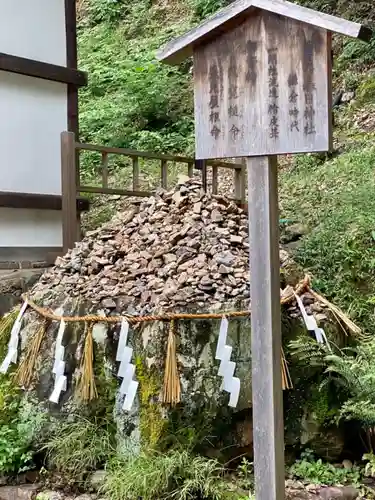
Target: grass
174, 475
336, 200
78, 447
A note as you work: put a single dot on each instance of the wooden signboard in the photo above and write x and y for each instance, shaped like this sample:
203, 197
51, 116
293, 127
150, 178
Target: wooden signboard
262, 83
263, 88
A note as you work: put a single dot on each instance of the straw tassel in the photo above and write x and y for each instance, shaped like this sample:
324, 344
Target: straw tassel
285, 373
26, 369
172, 387
86, 388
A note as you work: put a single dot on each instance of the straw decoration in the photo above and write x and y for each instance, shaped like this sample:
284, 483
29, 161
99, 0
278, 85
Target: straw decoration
172, 387
26, 369
6, 324
285, 373
86, 387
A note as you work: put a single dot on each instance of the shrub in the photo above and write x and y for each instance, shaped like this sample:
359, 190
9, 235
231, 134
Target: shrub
319, 472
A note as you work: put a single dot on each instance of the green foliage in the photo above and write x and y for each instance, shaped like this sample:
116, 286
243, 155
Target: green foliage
176, 474
205, 8
337, 200
245, 474
370, 465
131, 100
107, 11
319, 472
308, 352
366, 92
20, 425
357, 52
74, 448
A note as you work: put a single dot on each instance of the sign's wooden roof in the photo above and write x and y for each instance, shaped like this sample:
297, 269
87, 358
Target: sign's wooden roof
179, 49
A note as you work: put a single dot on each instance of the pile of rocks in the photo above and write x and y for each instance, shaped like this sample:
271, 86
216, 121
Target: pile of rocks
172, 250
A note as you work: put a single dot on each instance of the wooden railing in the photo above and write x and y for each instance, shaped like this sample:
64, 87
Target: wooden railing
71, 178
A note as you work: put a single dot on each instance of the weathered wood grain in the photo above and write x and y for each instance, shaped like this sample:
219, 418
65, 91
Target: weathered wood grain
70, 228
164, 174
181, 48
263, 89
135, 173
268, 430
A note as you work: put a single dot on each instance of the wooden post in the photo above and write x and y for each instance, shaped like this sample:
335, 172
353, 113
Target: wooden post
215, 179
69, 190
268, 430
239, 184
164, 174
135, 173
104, 167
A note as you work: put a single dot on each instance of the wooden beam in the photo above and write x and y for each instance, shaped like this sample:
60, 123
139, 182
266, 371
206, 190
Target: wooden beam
70, 224
268, 430
71, 62
121, 192
28, 257
45, 71
38, 201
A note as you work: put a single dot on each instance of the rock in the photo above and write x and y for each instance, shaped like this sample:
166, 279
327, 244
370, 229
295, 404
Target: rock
342, 493
97, 479
347, 96
224, 270
197, 208
108, 303
24, 492
216, 216
347, 464
50, 495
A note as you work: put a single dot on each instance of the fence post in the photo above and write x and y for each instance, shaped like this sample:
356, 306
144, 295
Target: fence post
70, 229
240, 184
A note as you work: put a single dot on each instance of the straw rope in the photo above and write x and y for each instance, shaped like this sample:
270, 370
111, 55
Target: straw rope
302, 286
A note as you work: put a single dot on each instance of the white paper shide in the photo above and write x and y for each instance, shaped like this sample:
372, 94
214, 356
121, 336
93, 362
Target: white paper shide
311, 323
12, 353
59, 366
127, 369
227, 367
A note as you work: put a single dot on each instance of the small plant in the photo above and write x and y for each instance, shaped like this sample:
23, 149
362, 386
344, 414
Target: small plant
15, 455
78, 447
245, 473
319, 472
176, 475
370, 466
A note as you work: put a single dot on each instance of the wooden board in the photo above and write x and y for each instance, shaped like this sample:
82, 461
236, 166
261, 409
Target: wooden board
264, 88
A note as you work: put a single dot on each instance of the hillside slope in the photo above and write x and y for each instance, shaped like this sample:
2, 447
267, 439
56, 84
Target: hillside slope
132, 101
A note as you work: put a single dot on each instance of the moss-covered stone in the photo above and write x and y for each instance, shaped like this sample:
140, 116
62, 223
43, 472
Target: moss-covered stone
152, 423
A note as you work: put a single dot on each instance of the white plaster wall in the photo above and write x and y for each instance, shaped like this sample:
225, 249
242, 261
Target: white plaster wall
33, 113
34, 29
30, 228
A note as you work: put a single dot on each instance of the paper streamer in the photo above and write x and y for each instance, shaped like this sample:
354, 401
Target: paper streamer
227, 367
126, 370
12, 354
311, 324
59, 366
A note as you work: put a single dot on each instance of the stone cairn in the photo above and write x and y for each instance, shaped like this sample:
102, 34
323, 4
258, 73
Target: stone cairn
177, 250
